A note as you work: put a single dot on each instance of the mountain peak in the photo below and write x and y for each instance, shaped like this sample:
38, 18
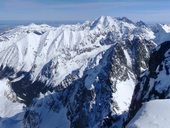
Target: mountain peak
125, 20
140, 23
102, 21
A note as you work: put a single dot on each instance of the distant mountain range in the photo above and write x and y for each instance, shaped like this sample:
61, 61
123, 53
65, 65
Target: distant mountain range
79, 75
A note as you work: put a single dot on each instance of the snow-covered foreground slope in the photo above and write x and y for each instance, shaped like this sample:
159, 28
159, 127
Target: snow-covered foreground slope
11, 111
153, 114
85, 72
8, 106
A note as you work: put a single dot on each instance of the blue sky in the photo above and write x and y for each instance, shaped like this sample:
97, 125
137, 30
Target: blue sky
76, 10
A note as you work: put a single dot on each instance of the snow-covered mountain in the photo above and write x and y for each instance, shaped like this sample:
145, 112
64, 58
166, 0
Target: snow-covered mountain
74, 75
152, 85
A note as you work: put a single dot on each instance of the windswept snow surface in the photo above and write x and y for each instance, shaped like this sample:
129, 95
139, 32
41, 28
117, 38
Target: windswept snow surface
153, 114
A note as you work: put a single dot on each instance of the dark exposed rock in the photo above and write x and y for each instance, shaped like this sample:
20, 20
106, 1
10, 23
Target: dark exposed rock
157, 57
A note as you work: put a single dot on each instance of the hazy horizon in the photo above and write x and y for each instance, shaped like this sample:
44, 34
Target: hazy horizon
152, 11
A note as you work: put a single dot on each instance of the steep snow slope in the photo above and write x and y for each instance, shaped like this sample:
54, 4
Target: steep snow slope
8, 105
153, 114
90, 68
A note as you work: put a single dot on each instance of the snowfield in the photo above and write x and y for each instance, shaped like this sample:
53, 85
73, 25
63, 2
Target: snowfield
8, 108
153, 114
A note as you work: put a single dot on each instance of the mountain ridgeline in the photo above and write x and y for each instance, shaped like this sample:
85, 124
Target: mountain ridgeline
79, 76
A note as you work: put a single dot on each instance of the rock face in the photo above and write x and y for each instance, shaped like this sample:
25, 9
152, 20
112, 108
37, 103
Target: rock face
74, 75
154, 83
